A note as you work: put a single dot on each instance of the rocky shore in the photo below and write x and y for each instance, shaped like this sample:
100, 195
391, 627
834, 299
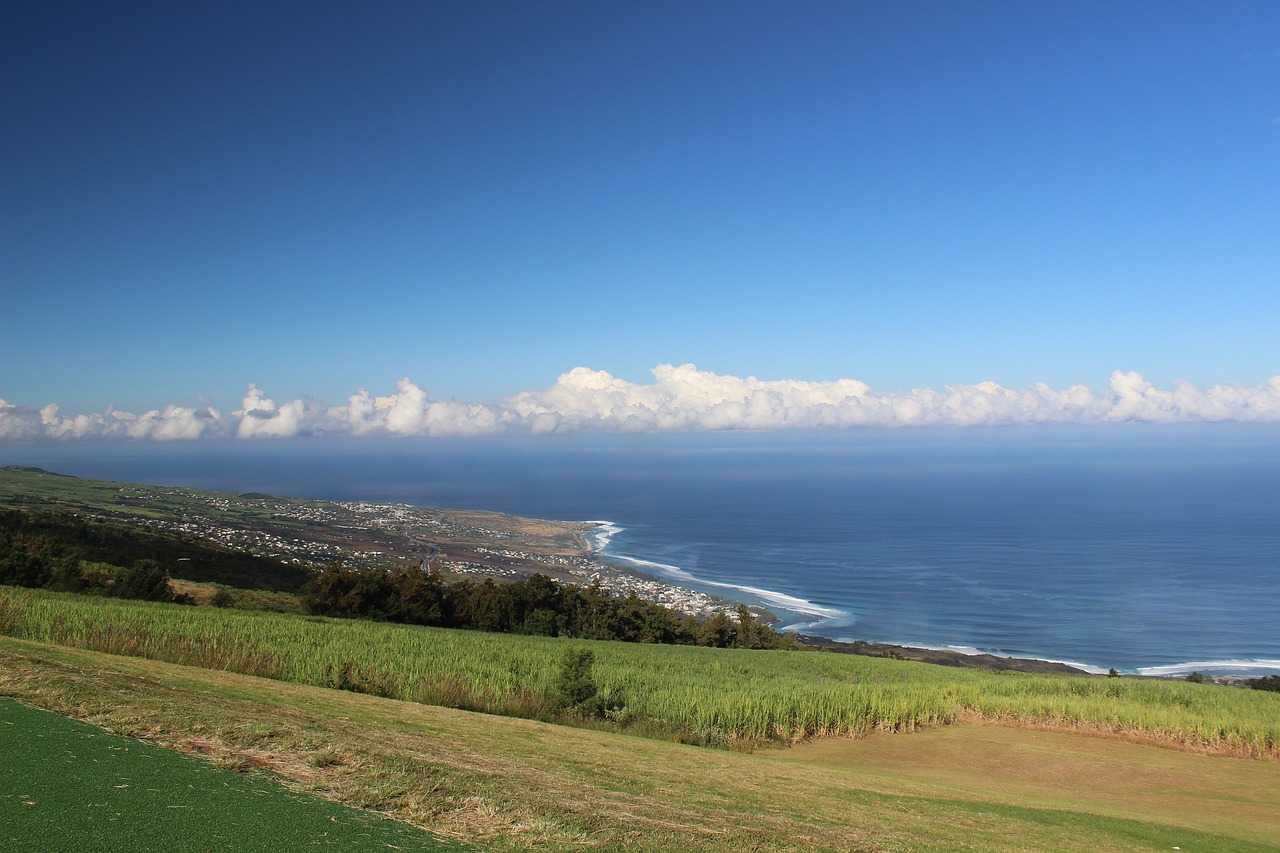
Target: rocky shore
944, 657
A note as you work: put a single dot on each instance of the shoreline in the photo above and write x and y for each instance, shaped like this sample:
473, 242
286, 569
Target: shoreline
942, 657
633, 577
622, 580
617, 578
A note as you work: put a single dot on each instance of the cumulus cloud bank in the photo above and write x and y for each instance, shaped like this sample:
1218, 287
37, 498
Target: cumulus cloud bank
679, 398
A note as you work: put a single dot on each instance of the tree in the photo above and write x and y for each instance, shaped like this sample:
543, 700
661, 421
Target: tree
329, 592
418, 597
575, 685
145, 580
717, 631
538, 603
750, 633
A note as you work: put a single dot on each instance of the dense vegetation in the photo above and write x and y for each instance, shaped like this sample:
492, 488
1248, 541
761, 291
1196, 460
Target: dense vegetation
701, 695
64, 552
537, 605
43, 561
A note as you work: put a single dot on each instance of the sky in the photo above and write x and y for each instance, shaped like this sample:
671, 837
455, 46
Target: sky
270, 219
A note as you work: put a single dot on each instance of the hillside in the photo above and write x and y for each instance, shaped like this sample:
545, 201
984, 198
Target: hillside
310, 533
512, 785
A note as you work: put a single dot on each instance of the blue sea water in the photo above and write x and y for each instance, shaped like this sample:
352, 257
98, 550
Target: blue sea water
1150, 549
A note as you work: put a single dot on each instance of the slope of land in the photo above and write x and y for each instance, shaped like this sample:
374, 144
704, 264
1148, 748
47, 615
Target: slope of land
310, 534
314, 533
523, 785
70, 787
703, 695
1081, 773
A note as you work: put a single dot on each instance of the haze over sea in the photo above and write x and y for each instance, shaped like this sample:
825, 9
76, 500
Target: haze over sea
1152, 549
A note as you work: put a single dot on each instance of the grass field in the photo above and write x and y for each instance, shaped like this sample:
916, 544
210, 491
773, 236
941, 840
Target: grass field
1084, 774
68, 786
721, 697
511, 784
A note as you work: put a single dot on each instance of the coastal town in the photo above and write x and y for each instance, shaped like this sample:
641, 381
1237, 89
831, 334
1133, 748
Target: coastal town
356, 535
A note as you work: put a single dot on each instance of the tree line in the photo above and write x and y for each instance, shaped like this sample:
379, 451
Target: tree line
32, 556
535, 605
70, 554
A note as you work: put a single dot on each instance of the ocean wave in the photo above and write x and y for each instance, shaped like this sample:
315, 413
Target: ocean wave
828, 616
1241, 668
788, 602
974, 651
970, 650
603, 534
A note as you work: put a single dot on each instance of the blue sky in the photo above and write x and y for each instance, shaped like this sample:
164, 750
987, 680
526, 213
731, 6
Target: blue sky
321, 197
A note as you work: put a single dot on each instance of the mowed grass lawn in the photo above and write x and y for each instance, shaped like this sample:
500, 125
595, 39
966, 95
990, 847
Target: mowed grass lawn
68, 786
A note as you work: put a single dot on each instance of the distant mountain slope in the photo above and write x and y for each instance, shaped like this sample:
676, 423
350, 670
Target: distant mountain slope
280, 540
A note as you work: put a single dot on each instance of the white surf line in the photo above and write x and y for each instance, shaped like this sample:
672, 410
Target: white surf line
973, 651
603, 534
828, 617
1001, 653
1224, 667
606, 530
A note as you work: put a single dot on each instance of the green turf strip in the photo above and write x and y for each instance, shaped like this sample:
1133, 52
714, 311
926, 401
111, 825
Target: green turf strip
67, 786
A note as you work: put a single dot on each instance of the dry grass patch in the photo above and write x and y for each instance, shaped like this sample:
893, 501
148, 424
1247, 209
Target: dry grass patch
1110, 776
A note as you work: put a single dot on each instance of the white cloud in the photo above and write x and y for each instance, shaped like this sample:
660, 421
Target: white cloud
17, 422
259, 417
410, 411
171, 423
680, 398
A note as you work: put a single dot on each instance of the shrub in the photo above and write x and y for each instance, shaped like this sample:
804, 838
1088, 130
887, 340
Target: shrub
145, 580
575, 685
1267, 682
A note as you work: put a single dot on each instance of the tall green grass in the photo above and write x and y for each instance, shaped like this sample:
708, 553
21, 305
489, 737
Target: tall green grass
711, 696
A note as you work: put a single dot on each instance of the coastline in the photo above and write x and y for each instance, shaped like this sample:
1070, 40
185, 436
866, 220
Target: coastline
624, 580
653, 581
663, 574
693, 603
486, 544
618, 579
942, 657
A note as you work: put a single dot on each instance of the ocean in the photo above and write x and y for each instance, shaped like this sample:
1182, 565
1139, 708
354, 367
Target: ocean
1150, 549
